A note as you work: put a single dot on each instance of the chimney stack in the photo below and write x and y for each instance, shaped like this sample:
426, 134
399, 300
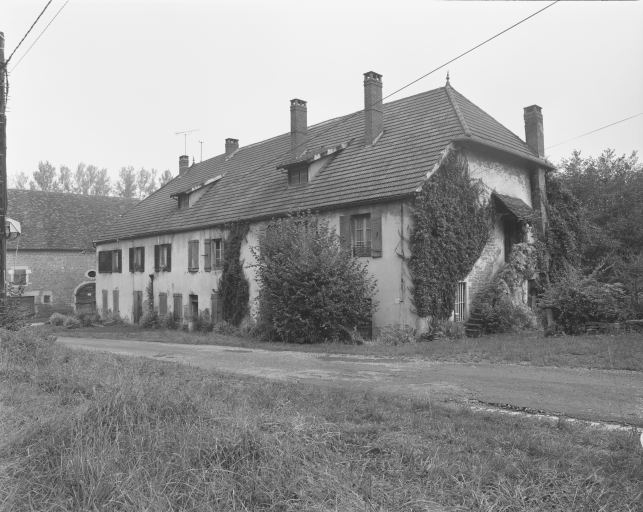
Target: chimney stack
231, 145
298, 125
373, 113
184, 163
534, 129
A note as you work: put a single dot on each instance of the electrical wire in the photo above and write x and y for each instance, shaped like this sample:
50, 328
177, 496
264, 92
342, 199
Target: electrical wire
39, 36
354, 114
594, 131
6, 62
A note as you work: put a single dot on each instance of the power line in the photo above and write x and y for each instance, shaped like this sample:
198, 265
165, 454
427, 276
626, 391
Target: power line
594, 131
39, 35
6, 62
350, 116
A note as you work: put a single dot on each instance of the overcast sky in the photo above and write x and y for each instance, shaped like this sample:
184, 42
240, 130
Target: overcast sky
110, 82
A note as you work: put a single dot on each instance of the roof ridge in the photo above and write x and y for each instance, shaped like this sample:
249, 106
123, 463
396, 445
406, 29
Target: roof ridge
458, 112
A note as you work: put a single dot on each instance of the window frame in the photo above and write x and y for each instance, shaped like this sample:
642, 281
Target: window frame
113, 259
193, 256
370, 232
137, 259
295, 175
213, 256
163, 258
361, 248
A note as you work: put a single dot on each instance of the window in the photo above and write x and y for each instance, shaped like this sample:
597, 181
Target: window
194, 307
213, 257
162, 304
46, 299
193, 255
184, 201
460, 309
137, 259
298, 175
19, 276
163, 258
362, 235
110, 261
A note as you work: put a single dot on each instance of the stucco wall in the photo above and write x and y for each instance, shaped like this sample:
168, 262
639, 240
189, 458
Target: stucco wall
53, 273
392, 291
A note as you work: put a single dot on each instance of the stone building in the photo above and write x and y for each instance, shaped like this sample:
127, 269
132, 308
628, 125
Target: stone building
360, 171
53, 262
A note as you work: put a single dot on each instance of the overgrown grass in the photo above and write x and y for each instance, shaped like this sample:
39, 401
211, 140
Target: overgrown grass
613, 352
101, 432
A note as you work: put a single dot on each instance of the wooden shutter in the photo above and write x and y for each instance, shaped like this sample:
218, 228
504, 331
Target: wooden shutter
376, 237
142, 268
207, 255
157, 258
344, 232
131, 259
115, 306
168, 262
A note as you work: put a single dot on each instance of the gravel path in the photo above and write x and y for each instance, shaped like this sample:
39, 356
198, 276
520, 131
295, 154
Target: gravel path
598, 395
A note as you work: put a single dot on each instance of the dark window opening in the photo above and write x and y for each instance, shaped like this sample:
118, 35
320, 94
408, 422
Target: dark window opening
110, 261
184, 201
137, 259
194, 307
46, 299
163, 258
512, 232
193, 256
213, 257
298, 175
19, 276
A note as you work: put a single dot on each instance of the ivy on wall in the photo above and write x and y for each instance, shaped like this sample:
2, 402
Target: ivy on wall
450, 228
234, 289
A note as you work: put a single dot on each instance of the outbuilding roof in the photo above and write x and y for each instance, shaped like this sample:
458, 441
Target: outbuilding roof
416, 130
56, 221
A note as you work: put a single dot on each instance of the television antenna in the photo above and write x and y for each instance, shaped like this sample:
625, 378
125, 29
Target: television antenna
185, 138
201, 143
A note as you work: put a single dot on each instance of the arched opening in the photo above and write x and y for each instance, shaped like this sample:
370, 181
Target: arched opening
85, 298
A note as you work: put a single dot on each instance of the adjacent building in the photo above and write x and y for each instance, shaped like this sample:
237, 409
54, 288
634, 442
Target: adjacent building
52, 265
360, 171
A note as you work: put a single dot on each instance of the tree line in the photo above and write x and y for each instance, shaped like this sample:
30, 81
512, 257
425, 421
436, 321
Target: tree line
88, 179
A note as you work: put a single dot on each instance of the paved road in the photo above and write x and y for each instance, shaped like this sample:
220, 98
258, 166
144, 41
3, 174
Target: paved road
605, 395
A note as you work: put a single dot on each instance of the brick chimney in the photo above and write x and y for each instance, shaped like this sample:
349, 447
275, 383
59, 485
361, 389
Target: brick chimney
373, 113
534, 129
298, 125
184, 163
231, 145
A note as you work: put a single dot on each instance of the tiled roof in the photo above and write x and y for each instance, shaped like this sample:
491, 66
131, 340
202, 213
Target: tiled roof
57, 221
517, 207
416, 130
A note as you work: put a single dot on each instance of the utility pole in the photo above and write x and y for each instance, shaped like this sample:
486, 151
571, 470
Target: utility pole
3, 172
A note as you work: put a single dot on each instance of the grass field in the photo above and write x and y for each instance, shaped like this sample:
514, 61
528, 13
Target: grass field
618, 352
99, 432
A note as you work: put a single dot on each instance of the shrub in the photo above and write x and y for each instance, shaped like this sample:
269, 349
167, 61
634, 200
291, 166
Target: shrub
499, 304
88, 319
396, 335
13, 316
576, 300
447, 329
167, 322
71, 322
311, 288
203, 322
225, 328
57, 319
149, 320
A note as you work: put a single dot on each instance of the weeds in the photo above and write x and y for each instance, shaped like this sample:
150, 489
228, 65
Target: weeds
101, 432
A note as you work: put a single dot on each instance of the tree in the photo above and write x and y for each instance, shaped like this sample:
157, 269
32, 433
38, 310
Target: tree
65, 183
21, 181
82, 183
311, 288
44, 178
126, 184
101, 185
145, 182
165, 178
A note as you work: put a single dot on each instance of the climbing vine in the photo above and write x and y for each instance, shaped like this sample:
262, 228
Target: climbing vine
234, 289
450, 228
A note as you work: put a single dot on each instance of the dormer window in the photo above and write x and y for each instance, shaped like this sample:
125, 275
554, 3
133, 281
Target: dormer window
298, 175
184, 201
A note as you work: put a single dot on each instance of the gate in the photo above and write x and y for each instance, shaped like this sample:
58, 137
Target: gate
86, 298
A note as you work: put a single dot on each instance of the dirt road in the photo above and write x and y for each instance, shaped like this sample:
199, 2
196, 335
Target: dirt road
601, 395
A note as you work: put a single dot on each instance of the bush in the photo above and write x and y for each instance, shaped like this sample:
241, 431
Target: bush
576, 300
167, 322
311, 288
57, 319
446, 329
71, 322
225, 328
149, 320
88, 319
396, 335
504, 315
